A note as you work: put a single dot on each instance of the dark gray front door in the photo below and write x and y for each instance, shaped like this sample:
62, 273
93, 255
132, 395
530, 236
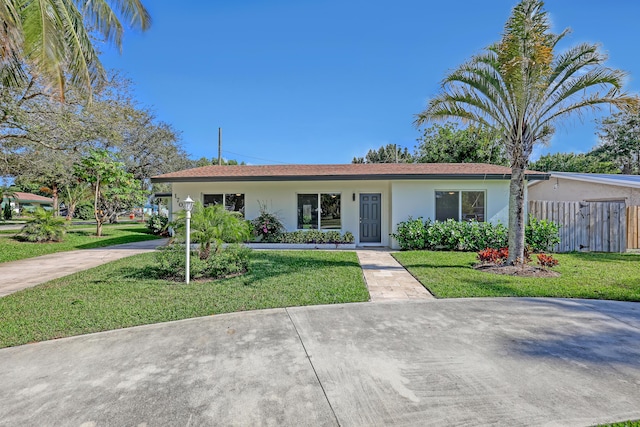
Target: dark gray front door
370, 218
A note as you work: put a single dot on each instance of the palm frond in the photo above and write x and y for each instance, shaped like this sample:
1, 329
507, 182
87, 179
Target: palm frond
600, 77
82, 62
10, 31
43, 39
622, 101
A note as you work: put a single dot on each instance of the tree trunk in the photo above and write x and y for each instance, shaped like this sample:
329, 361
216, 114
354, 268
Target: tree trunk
516, 216
96, 213
56, 210
206, 252
71, 209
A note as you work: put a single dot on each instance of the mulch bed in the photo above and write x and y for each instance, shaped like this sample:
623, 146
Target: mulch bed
524, 270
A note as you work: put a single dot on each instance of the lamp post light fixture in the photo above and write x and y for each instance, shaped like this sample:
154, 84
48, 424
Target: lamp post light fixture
188, 206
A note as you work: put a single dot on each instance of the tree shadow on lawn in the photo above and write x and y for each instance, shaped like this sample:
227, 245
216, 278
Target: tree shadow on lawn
591, 332
604, 256
105, 240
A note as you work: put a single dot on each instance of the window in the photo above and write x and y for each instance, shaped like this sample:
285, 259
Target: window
330, 212
472, 206
319, 211
231, 202
460, 205
212, 199
234, 203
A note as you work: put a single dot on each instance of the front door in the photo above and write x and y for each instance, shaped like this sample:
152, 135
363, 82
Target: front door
370, 218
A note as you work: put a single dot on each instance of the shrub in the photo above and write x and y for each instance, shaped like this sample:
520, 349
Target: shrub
43, 227
158, 224
450, 235
410, 234
267, 226
212, 226
493, 256
84, 212
546, 261
234, 259
480, 235
541, 234
314, 236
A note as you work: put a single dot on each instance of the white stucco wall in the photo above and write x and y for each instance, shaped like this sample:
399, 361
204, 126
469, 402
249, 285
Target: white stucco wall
281, 198
569, 190
418, 198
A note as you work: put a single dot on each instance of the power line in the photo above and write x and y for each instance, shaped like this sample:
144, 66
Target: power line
256, 158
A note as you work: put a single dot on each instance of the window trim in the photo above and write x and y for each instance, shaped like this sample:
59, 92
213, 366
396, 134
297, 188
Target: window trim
460, 191
318, 195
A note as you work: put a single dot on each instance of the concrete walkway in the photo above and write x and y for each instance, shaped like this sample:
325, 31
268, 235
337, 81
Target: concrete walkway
480, 362
387, 280
22, 274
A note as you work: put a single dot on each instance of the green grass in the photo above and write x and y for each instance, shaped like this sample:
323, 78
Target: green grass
583, 275
622, 424
76, 238
126, 293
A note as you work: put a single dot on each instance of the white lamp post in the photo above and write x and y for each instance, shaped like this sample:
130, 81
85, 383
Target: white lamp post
188, 206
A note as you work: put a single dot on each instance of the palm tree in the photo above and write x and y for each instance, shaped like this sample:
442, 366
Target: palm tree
52, 38
521, 87
215, 225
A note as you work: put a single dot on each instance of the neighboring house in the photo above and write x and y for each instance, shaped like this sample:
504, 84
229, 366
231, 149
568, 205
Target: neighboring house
587, 187
368, 200
27, 202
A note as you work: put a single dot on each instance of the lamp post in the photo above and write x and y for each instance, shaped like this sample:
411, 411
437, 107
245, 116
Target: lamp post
188, 206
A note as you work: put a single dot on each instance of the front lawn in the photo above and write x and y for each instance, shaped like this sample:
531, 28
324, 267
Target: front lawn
583, 275
76, 238
126, 293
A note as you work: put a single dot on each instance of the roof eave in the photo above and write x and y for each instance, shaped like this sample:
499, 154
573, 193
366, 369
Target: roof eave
33, 201
161, 179
595, 180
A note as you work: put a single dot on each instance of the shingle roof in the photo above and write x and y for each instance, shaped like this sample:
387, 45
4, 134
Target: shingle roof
29, 197
344, 172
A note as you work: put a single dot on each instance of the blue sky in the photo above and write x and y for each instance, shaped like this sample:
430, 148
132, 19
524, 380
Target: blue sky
301, 81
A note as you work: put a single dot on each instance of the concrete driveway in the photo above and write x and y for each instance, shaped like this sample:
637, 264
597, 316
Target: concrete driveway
511, 362
29, 272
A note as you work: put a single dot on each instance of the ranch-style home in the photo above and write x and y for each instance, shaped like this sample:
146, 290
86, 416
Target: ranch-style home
368, 200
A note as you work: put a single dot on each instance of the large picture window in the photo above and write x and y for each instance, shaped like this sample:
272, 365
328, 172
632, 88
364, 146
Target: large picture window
319, 211
231, 202
460, 205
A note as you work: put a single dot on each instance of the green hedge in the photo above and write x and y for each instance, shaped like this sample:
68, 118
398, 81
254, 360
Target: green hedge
472, 236
314, 236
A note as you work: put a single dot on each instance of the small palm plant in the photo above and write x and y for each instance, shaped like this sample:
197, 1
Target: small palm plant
43, 227
215, 225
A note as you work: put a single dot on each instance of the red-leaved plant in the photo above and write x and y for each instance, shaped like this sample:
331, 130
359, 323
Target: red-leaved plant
493, 256
545, 260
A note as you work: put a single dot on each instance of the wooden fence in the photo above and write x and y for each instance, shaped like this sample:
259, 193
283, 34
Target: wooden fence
633, 227
588, 226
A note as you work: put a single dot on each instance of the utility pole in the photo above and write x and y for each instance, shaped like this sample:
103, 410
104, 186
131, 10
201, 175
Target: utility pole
219, 146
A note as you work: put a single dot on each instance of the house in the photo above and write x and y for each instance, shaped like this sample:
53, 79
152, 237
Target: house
587, 187
27, 202
368, 200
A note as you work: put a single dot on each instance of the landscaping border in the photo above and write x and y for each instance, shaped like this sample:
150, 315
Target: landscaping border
298, 246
